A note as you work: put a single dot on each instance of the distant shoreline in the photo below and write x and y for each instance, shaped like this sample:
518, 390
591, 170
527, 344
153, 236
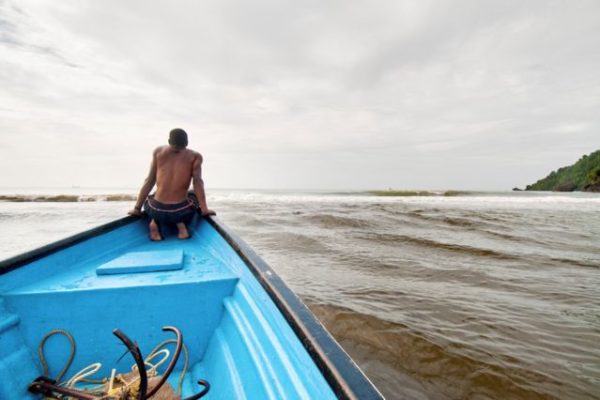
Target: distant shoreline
129, 197
64, 198
411, 193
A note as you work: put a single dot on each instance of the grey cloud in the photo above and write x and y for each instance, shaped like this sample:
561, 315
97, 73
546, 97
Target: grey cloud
12, 33
460, 86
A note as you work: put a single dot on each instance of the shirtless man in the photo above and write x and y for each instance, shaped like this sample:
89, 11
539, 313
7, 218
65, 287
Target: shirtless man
172, 169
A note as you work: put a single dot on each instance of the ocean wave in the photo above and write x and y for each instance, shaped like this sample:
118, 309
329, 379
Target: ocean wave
299, 242
440, 218
433, 244
578, 263
447, 370
337, 221
65, 198
402, 193
419, 193
479, 223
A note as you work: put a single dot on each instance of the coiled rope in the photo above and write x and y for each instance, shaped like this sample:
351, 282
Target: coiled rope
131, 387
185, 360
43, 357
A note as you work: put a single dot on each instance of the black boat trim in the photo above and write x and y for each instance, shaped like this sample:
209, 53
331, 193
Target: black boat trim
343, 375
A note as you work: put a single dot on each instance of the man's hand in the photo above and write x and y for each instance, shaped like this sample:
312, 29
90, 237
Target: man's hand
135, 211
207, 212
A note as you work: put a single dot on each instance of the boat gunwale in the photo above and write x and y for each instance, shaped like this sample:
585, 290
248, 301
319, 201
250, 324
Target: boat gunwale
339, 370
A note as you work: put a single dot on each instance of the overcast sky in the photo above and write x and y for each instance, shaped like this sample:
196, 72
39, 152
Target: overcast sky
299, 94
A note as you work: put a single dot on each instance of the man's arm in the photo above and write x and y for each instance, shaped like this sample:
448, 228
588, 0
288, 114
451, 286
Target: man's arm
149, 183
199, 186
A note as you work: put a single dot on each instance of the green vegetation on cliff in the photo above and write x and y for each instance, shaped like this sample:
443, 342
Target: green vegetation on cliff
583, 175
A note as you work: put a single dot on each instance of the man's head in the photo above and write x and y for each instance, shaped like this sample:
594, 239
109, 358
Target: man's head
178, 138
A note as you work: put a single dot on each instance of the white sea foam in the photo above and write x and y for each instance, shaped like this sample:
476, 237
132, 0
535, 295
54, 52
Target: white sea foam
477, 200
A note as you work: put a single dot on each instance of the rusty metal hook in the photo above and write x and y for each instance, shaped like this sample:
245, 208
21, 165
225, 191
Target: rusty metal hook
202, 393
46, 386
171, 365
139, 361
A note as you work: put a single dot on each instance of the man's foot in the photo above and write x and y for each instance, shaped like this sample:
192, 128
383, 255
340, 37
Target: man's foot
182, 232
154, 232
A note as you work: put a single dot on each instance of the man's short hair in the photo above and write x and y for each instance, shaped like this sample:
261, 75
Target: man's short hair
178, 137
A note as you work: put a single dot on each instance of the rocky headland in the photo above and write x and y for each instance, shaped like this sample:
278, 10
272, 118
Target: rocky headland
584, 176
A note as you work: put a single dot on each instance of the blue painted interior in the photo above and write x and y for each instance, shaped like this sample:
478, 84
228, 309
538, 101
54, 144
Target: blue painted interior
237, 338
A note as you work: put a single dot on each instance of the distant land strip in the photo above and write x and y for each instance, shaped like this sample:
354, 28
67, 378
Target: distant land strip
415, 193
65, 198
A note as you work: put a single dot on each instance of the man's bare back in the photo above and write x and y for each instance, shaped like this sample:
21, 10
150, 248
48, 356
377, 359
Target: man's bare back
172, 169
174, 173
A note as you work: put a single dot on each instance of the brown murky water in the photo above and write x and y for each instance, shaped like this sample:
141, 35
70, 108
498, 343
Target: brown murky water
481, 296
474, 297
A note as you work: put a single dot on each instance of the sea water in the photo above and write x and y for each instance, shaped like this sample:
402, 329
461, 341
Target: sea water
475, 295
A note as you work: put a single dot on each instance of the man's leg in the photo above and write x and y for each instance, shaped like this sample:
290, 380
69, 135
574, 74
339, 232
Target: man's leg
154, 232
182, 232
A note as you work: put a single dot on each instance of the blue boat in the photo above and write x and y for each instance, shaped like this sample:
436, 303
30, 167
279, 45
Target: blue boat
109, 313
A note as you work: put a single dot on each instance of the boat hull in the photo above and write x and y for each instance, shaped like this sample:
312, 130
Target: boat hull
245, 331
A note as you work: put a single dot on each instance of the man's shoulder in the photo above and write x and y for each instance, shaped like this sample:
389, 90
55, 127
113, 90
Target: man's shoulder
194, 154
159, 149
